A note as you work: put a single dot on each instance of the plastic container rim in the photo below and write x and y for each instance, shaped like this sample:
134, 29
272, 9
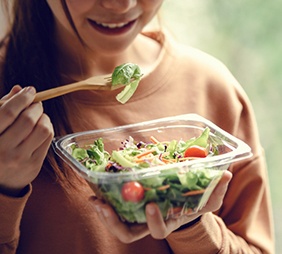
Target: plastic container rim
243, 151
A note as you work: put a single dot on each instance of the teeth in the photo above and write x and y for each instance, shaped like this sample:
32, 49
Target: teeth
113, 25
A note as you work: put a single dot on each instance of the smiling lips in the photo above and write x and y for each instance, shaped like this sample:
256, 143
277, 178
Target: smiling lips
111, 28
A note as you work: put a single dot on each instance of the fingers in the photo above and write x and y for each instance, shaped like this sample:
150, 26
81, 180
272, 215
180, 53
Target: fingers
13, 91
40, 138
156, 224
159, 229
23, 126
110, 220
40, 153
126, 233
25, 137
221, 188
28, 132
216, 198
21, 165
10, 110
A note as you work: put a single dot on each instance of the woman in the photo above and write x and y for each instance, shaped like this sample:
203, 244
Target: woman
45, 207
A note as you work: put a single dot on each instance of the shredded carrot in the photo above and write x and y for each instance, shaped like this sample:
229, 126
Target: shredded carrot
140, 160
192, 193
164, 187
145, 153
187, 158
147, 188
154, 140
167, 161
148, 156
174, 211
188, 211
109, 165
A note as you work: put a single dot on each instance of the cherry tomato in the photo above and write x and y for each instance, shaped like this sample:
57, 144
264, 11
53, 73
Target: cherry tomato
132, 191
196, 151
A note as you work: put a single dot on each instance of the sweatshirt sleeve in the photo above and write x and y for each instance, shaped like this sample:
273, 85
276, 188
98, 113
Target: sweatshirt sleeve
210, 235
11, 210
243, 224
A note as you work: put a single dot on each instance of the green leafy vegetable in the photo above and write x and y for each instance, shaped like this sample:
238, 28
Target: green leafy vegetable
175, 190
118, 157
128, 74
97, 157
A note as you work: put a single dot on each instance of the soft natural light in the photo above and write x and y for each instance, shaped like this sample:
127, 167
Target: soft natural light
246, 36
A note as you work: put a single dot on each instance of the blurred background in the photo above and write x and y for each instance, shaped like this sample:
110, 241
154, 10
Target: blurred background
246, 36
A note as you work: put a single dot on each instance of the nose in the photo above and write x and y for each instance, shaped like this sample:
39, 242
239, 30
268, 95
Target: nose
118, 5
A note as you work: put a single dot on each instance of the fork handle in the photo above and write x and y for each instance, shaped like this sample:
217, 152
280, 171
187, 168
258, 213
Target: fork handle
61, 90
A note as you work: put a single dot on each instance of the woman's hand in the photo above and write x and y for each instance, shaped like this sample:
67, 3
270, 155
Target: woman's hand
156, 226
25, 136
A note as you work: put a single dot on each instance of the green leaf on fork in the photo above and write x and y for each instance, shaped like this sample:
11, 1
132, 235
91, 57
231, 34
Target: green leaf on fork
128, 74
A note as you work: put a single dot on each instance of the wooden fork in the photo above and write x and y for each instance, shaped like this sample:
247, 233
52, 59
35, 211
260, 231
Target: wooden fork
93, 83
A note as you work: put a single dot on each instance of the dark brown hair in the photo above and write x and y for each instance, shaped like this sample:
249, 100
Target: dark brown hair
30, 59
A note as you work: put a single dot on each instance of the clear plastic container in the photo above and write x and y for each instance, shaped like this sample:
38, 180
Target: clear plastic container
164, 184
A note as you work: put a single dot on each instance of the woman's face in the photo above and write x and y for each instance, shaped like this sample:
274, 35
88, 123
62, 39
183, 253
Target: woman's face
104, 25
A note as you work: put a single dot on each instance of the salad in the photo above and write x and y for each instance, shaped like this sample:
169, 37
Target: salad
128, 74
175, 190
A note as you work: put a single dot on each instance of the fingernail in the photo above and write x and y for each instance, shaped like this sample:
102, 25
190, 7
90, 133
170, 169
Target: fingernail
151, 210
30, 89
105, 213
98, 209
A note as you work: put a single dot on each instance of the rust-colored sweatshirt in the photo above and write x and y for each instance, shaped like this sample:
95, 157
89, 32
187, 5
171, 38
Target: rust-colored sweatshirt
47, 220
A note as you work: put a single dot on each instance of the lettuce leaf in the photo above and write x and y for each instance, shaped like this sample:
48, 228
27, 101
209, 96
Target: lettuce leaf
128, 74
